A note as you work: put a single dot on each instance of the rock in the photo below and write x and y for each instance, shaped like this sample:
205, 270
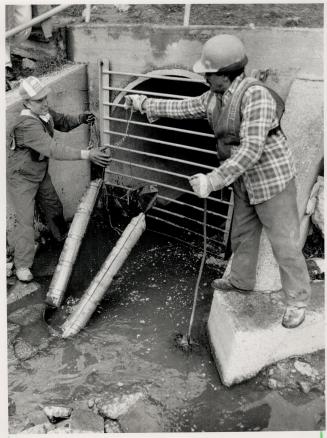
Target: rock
141, 418
83, 420
272, 383
90, 403
304, 386
27, 315
12, 332
20, 290
55, 413
39, 428
28, 63
9, 268
23, 350
111, 426
304, 368
118, 406
11, 407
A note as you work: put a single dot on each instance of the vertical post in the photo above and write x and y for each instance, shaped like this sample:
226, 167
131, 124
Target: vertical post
87, 13
187, 12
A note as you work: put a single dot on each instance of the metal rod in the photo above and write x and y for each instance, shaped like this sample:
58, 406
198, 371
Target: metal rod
168, 186
36, 20
168, 128
149, 93
178, 226
151, 76
185, 217
163, 157
175, 201
152, 140
187, 12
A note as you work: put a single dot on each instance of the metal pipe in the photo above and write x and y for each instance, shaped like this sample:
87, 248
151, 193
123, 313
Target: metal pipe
168, 128
168, 143
83, 311
72, 244
149, 93
150, 76
87, 13
164, 185
163, 157
36, 20
185, 217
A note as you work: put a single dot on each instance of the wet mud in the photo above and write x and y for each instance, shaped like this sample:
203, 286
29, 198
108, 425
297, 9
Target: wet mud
128, 348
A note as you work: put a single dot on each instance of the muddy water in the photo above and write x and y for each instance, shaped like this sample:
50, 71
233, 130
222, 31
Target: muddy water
129, 345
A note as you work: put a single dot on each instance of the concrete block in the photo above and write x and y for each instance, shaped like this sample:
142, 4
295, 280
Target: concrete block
246, 334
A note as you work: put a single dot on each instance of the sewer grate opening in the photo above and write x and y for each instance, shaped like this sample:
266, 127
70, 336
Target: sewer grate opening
165, 153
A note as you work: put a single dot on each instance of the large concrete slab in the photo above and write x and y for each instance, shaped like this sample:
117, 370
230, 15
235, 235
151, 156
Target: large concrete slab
69, 95
246, 334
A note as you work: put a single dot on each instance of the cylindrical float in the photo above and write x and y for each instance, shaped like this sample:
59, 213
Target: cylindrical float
72, 244
99, 285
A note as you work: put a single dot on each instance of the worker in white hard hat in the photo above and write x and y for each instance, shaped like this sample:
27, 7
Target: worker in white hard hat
31, 145
253, 155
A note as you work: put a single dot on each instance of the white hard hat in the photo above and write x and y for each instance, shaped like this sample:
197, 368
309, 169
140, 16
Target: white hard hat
221, 52
31, 88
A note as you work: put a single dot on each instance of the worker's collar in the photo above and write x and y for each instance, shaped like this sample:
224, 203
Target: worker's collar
236, 82
27, 112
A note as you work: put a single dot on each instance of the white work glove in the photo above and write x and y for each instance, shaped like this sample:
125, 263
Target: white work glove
201, 185
135, 101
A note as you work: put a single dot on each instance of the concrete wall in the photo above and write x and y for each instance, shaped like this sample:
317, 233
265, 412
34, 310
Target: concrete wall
136, 48
69, 95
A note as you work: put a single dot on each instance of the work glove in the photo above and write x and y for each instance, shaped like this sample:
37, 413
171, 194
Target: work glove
86, 117
99, 157
135, 101
202, 185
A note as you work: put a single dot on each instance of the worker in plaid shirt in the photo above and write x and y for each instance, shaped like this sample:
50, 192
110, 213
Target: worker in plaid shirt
254, 156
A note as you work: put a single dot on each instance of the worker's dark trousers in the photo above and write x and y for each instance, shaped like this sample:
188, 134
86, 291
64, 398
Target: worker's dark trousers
23, 194
279, 218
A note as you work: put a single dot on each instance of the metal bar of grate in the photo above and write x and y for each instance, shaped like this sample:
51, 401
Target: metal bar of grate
151, 76
163, 157
168, 143
167, 128
148, 93
175, 201
168, 186
185, 217
179, 226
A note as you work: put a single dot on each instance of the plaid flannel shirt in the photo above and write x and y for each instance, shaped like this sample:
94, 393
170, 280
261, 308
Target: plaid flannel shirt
264, 162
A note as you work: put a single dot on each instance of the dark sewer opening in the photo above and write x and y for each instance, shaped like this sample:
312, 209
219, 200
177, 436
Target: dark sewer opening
184, 217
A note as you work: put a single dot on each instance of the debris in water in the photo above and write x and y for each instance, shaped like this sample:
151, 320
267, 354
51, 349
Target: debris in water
56, 413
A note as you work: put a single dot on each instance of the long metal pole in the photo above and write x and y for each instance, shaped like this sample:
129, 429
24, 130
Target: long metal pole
36, 20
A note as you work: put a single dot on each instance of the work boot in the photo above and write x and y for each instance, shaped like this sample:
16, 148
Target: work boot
24, 274
293, 317
225, 285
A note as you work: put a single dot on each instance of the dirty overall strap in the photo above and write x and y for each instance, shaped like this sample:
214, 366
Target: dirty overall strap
226, 120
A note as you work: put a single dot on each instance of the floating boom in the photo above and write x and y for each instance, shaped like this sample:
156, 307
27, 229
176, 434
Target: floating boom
72, 244
83, 311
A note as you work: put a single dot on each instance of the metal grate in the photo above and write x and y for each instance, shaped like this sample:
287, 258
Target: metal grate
164, 153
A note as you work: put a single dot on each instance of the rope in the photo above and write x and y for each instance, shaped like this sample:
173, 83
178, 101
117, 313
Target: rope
196, 290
